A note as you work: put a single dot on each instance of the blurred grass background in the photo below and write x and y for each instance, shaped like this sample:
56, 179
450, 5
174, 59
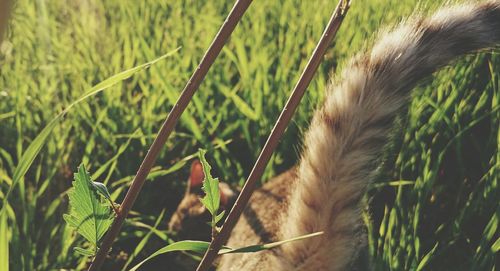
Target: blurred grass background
434, 205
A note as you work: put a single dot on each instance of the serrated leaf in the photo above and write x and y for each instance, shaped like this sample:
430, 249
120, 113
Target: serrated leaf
211, 200
89, 215
84, 252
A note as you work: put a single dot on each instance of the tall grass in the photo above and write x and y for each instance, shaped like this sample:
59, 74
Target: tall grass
433, 207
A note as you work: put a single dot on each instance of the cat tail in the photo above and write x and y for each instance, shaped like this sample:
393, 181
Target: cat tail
350, 129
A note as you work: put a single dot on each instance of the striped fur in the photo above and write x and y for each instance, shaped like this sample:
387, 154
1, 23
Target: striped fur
348, 132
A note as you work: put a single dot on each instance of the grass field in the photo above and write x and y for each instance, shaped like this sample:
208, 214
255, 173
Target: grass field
434, 205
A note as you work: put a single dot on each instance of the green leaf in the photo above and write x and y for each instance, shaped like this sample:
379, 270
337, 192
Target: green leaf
257, 248
496, 246
84, 252
101, 189
4, 241
89, 215
202, 246
152, 230
29, 156
210, 186
425, 260
162, 172
219, 216
36, 145
240, 104
186, 245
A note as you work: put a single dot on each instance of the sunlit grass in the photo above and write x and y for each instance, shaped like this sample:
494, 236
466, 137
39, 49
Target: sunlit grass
442, 216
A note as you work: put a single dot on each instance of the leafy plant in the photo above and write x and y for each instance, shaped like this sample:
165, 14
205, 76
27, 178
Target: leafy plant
21, 240
89, 214
211, 200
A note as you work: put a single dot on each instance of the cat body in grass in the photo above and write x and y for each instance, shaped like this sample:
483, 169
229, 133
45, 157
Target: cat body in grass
344, 141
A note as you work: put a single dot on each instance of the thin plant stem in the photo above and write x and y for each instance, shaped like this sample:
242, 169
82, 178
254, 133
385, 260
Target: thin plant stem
286, 114
168, 126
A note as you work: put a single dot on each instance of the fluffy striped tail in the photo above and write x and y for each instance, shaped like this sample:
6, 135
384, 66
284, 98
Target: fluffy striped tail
349, 130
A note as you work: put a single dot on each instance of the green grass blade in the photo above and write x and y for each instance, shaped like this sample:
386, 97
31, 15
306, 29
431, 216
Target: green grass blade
425, 260
117, 78
4, 242
140, 246
29, 156
257, 248
34, 148
202, 246
186, 245
495, 248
